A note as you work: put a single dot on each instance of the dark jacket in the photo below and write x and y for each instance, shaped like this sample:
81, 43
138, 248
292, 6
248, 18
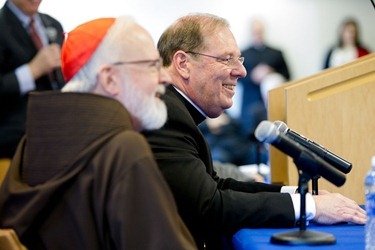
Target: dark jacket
253, 109
83, 179
210, 206
16, 49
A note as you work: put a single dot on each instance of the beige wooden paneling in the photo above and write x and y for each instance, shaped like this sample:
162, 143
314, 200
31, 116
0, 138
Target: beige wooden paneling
335, 108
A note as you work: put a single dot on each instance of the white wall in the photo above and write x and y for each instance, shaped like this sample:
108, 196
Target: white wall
303, 29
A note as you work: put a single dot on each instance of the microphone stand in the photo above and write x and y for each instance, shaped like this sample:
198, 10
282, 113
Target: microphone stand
314, 183
259, 145
303, 236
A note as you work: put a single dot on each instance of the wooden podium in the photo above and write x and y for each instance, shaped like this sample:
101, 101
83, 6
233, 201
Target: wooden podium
335, 108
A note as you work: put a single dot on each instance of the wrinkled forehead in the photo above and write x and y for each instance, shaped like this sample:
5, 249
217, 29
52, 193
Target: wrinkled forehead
222, 39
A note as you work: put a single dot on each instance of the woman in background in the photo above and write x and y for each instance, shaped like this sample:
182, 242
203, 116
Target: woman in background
349, 46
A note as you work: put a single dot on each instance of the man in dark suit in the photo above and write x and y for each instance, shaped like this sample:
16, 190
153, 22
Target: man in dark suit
266, 68
265, 65
204, 62
24, 65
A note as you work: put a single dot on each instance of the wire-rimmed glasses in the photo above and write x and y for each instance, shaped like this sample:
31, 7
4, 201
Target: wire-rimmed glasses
231, 61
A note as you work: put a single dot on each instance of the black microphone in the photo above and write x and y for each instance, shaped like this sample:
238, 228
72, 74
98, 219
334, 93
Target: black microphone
56, 78
333, 159
306, 160
51, 33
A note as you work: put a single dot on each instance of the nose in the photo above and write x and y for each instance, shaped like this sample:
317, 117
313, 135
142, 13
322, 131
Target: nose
164, 77
239, 71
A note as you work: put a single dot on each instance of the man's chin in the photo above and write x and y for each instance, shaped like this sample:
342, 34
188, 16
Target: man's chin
157, 118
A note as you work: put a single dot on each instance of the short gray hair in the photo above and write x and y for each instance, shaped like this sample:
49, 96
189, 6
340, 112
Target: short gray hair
188, 34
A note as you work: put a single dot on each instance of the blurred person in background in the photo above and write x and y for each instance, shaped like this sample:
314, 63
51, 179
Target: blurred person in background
266, 68
349, 46
30, 45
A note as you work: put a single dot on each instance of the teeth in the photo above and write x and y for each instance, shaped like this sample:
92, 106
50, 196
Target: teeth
231, 87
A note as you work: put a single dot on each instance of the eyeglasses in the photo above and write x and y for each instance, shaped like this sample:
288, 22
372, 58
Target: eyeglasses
157, 63
231, 61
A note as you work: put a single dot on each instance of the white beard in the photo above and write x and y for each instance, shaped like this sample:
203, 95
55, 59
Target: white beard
150, 111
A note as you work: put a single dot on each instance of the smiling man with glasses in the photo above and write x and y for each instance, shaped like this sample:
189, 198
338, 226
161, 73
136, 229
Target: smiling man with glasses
201, 55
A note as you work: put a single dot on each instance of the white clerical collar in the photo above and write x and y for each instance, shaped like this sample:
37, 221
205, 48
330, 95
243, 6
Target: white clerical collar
189, 100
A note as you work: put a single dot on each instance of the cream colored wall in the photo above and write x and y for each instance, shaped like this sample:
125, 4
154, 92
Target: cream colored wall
303, 29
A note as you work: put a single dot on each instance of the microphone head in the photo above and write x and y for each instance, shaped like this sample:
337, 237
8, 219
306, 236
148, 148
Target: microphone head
51, 34
281, 126
266, 132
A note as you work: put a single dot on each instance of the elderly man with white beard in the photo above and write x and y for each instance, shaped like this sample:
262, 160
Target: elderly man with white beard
83, 177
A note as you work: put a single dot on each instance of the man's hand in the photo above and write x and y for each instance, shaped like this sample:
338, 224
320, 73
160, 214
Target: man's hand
332, 208
46, 60
259, 73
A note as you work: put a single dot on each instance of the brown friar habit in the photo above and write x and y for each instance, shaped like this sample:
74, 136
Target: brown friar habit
82, 178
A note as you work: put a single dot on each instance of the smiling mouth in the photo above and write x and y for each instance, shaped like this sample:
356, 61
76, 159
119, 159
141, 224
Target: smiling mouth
227, 86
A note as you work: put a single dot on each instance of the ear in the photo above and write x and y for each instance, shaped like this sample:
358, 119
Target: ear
181, 63
109, 80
